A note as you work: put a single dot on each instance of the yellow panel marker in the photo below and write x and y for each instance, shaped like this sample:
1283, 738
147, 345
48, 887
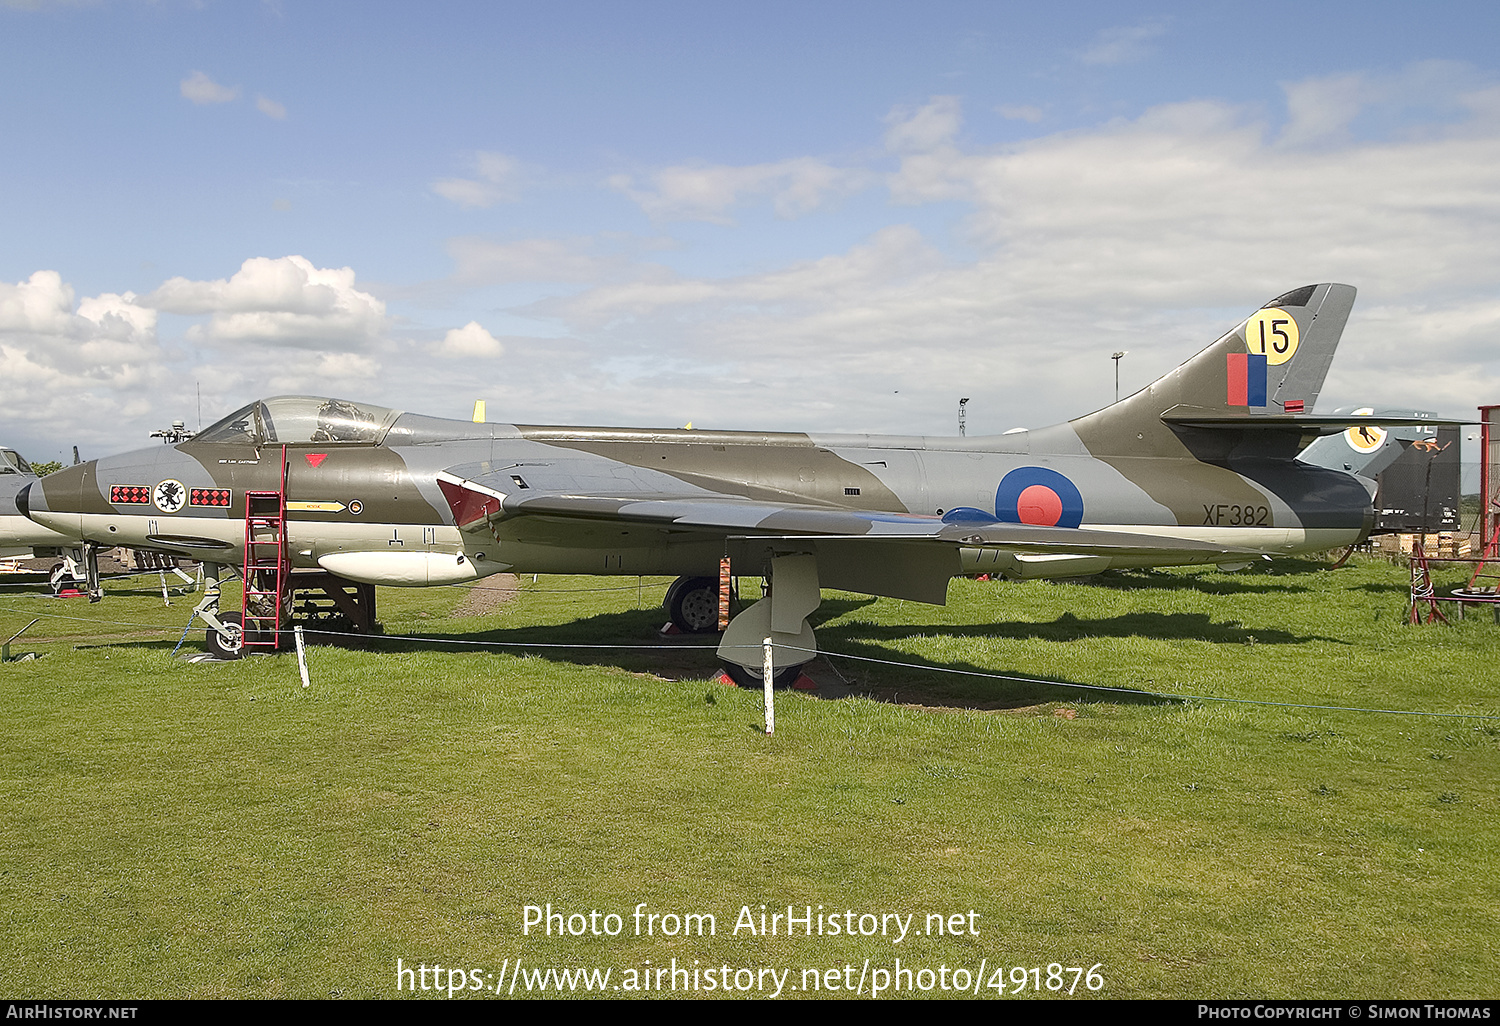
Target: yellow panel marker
1272, 334
316, 507
479, 411
1365, 438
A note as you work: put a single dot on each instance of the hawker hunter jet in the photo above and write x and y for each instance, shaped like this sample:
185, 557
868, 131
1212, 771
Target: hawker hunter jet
20, 536
1414, 470
1199, 467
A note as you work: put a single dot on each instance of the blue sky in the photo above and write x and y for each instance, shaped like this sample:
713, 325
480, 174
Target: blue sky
836, 216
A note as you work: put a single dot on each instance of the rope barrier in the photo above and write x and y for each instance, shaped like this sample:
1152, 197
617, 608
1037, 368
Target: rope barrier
811, 653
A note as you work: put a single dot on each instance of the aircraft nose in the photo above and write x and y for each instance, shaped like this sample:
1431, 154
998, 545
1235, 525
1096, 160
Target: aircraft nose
56, 500
21, 501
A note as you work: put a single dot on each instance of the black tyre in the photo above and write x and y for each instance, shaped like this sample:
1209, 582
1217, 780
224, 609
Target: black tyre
227, 648
784, 677
693, 604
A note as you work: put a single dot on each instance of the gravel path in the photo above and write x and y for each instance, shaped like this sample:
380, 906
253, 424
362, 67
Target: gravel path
488, 595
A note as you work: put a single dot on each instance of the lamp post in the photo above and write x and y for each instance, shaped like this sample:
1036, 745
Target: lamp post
1116, 357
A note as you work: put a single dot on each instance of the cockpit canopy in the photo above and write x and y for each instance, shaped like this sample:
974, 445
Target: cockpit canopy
289, 419
11, 462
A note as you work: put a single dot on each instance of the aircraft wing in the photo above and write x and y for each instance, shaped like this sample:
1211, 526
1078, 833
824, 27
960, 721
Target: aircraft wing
904, 555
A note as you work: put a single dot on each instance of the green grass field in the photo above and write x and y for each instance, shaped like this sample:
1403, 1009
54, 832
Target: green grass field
215, 830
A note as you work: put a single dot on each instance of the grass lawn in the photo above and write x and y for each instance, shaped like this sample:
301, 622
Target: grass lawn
214, 830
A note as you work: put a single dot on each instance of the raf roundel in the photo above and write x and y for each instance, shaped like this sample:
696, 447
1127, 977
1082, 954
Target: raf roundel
1036, 495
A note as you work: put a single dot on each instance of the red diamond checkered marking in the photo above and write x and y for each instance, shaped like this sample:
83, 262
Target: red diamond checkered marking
133, 495
209, 497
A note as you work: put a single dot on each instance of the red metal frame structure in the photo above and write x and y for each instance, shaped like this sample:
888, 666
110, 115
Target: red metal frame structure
1421, 587
265, 565
1489, 476
1489, 492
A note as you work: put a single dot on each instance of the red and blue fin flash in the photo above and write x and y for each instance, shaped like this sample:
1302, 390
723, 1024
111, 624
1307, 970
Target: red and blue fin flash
1247, 379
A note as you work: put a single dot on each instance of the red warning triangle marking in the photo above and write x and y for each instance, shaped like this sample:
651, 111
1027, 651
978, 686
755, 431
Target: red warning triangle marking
316, 458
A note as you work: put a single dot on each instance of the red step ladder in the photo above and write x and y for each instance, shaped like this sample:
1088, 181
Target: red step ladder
266, 570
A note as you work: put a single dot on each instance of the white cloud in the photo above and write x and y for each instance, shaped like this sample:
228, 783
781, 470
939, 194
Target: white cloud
1124, 44
472, 340
1321, 111
285, 301
80, 370
589, 260
1152, 234
202, 90
924, 139
706, 192
270, 108
43, 304
346, 375
921, 129
499, 179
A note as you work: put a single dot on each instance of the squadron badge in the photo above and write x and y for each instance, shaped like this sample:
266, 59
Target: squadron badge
169, 496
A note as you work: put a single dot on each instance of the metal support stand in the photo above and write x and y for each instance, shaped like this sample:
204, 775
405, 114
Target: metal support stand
1421, 587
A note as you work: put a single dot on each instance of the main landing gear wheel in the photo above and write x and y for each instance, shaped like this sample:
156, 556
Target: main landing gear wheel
693, 604
227, 648
783, 678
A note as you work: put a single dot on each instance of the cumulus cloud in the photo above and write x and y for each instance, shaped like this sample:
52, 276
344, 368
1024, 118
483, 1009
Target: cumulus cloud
706, 192
282, 301
498, 179
270, 108
78, 368
202, 90
472, 340
42, 304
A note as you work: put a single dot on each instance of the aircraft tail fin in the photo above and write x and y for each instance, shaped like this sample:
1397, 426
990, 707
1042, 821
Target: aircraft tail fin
1266, 372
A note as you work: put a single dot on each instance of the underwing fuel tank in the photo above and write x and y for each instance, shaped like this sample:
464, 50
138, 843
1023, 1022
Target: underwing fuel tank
402, 569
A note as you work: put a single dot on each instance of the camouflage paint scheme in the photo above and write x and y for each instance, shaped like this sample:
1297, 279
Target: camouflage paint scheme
1199, 467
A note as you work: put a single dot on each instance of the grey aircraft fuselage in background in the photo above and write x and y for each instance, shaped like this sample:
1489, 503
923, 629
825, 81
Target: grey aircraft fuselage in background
1199, 467
19, 535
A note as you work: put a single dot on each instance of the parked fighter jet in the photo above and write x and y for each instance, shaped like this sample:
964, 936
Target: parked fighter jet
20, 536
1368, 447
1199, 467
1414, 469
